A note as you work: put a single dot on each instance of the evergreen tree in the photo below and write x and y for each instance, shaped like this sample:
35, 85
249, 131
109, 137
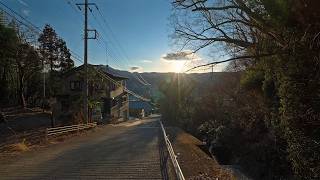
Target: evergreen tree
54, 50
66, 62
56, 55
48, 49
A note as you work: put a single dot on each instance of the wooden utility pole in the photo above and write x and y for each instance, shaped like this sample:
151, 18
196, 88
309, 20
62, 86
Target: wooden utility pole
85, 64
86, 91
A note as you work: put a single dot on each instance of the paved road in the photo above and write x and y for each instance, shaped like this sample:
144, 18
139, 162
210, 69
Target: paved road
126, 151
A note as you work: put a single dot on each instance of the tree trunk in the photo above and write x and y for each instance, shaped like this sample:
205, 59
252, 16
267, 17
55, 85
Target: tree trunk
21, 94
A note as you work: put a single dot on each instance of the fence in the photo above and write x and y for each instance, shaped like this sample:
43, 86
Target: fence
65, 129
41, 135
173, 157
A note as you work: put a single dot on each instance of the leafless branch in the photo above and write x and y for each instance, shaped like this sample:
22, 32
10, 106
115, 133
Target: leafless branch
231, 59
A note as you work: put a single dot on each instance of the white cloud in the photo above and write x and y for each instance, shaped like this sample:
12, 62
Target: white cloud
146, 61
26, 12
23, 3
135, 69
186, 55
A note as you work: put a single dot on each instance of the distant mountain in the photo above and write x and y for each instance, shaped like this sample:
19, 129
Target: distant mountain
138, 82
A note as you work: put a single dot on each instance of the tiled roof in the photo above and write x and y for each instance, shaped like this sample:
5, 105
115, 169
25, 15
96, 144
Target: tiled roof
106, 70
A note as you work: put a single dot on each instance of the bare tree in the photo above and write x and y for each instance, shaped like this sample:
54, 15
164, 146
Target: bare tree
28, 64
234, 25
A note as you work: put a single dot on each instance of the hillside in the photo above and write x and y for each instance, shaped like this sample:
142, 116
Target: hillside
136, 83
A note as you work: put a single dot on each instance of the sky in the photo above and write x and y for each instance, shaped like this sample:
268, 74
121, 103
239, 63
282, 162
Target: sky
132, 34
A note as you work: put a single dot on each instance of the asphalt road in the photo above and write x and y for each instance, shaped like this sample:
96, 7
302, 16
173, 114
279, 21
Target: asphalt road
126, 151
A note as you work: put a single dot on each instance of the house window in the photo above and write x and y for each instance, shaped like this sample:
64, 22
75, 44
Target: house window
75, 85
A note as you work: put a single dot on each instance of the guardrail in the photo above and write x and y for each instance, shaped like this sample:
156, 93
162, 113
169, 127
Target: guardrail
65, 129
41, 135
173, 157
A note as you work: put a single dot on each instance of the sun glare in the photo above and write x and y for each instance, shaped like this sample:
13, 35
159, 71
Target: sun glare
178, 66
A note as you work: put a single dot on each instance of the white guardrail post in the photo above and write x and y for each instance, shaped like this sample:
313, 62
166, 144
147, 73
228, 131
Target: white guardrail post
66, 129
173, 157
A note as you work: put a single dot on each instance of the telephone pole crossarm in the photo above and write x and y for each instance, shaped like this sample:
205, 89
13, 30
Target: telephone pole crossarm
95, 33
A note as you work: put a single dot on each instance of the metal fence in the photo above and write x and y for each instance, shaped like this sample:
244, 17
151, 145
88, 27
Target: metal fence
173, 157
65, 129
41, 135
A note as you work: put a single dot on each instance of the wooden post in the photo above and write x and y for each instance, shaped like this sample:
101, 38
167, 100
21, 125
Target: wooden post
46, 135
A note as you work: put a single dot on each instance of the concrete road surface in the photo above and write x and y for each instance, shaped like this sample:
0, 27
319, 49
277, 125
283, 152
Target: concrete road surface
126, 151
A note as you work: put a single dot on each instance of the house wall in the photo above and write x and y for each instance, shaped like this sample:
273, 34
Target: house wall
96, 88
67, 89
104, 92
121, 108
137, 106
135, 113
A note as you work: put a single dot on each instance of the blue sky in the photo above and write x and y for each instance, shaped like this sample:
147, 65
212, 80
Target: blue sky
136, 32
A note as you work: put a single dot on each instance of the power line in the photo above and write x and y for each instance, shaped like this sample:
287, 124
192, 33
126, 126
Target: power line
115, 82
139, 80
123, 63
143, 81
31, 24
38, 31
85, 61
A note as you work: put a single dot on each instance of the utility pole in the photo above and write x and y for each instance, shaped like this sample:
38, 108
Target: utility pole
85, 56
44, 85
86, 91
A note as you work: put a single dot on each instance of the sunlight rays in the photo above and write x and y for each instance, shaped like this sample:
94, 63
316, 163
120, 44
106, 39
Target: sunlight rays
177, 66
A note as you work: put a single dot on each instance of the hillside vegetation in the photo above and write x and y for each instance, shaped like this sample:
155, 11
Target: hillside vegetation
265, 118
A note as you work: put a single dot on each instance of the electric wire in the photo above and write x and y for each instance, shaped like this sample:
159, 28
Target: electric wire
77, 57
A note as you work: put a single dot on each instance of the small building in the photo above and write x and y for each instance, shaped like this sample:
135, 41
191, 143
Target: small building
140, 108
106, 90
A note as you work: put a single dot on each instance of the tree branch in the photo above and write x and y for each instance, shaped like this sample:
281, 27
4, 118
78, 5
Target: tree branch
231, 59
215, 8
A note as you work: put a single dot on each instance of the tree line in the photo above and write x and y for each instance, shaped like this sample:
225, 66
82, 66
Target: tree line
24, 65
264, 116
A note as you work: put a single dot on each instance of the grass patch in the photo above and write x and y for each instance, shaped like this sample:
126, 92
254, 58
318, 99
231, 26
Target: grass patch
20, 147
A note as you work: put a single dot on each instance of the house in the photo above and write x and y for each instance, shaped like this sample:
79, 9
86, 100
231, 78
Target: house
140, 108
106, 90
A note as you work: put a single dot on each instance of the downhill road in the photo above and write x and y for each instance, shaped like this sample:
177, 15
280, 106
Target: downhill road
126, 151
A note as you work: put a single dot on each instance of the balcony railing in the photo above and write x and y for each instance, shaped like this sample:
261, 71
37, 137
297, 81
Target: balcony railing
124, 105
116, 92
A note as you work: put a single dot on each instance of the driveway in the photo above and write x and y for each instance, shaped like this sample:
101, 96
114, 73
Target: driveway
125, 151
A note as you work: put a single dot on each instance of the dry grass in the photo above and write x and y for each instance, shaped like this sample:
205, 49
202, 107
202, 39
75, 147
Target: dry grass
20, 147
194, 162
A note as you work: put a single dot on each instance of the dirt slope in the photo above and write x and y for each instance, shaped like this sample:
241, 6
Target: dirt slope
194, 162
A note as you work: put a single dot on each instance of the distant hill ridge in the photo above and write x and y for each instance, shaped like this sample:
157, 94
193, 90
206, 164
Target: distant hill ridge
134, 82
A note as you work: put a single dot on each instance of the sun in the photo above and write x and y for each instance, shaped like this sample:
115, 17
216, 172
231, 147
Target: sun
178, 66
